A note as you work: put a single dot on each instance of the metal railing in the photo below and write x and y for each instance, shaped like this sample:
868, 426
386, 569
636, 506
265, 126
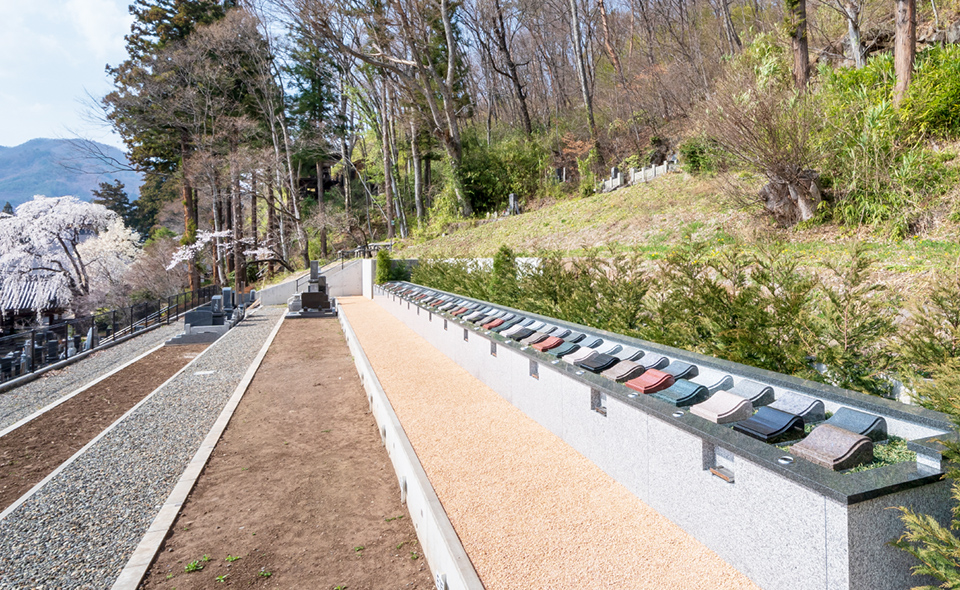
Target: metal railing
29, 351
367, 251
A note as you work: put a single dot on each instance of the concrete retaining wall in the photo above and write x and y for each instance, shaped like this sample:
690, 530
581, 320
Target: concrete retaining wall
343, 280
441, 546
786, 527
278, 294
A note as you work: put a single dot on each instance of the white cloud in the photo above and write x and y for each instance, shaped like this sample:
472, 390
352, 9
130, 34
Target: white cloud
102, 24
50, 51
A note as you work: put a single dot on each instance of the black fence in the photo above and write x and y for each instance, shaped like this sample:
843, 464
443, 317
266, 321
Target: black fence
27, 352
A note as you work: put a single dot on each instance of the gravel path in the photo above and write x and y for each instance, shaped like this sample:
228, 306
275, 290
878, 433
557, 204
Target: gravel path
79, 530
19, 403
530, 511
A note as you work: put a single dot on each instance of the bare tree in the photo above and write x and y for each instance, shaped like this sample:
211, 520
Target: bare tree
905, 46
489, 27
767, 128
797, 28
397, 39
580, 61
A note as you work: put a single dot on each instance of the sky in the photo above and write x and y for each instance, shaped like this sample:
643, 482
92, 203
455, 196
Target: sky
52, 52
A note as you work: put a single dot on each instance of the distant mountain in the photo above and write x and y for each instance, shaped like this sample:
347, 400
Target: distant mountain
54, 168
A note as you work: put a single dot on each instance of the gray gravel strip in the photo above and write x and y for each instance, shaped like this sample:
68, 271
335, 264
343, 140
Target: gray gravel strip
80, 529
30, 397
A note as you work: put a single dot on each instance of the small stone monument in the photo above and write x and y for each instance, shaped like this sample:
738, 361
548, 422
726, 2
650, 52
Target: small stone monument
216, 308
228, 303
294, 305
198, 317
314, 302
513, 208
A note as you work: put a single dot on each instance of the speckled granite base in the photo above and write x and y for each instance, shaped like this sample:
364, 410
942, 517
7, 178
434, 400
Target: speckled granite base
790, 526
79, 530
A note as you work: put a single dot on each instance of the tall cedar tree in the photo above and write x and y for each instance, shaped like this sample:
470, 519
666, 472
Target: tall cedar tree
112, 196
312, 73
156, 141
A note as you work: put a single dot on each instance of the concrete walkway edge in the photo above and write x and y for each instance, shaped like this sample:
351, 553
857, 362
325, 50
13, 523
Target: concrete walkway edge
75, 392
9, 509
449, 563
143, 555
33, 376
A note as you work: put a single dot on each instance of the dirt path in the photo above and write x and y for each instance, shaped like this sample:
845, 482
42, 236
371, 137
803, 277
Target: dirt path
530, 510
299, 486
31, 452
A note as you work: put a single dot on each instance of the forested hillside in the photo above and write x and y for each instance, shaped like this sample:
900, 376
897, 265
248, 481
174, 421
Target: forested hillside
285, 130
274, 132
55, 167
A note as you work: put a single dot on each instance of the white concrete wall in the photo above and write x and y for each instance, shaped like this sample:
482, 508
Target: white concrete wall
781, 534
439, 542
344, 279
368, 275
278, 294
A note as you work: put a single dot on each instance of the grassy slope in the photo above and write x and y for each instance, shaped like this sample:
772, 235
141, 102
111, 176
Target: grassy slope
654, 216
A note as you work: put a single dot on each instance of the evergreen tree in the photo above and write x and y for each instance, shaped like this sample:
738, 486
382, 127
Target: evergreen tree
312, 71
144, 107
113, 197
8, 208
156, 191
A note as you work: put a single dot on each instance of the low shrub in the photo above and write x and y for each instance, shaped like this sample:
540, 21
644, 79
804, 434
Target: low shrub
384, 266
700, 155
761, 308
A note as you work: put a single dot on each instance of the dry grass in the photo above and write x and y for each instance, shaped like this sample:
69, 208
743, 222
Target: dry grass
654, 217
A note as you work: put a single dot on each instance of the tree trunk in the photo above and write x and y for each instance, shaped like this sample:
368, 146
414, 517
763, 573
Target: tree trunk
188, 197
427, 180
190, 228
608, 45
345, 162
387, 160
346, 175
253, 210
219, 263
323, 211
417, 181
798, 34
733, 39
500, 35
271, 235
852, 12
236, 200
398, 185
905, 47
582, 68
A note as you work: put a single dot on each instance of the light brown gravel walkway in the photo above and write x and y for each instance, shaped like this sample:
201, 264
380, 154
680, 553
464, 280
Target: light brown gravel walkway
530, 510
